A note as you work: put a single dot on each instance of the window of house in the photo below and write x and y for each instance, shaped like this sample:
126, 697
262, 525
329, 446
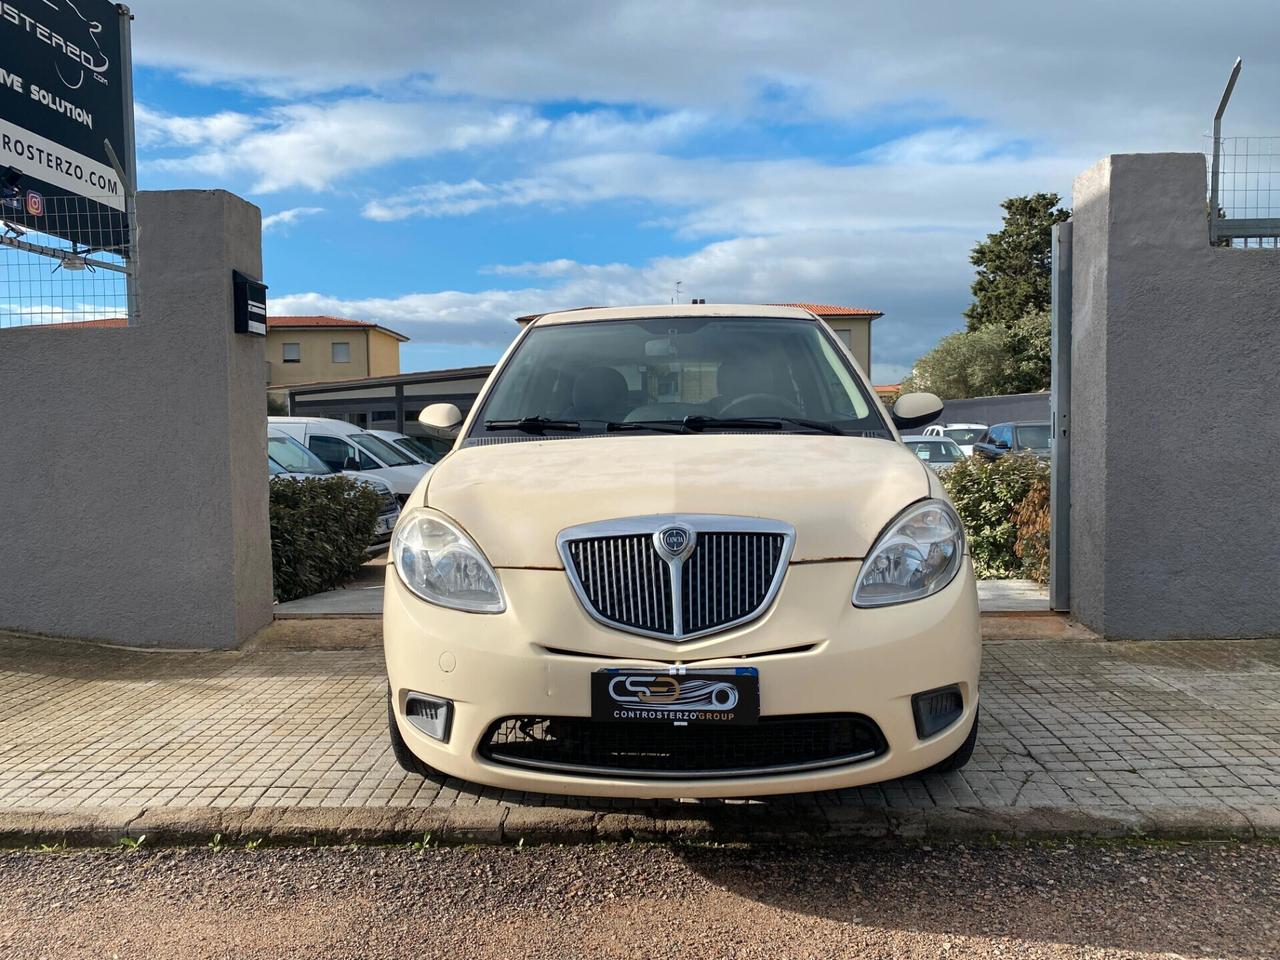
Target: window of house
291, 352
341, 352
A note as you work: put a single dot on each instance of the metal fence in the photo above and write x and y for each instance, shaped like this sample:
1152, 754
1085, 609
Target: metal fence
1247, 197
65, 259
1244, 183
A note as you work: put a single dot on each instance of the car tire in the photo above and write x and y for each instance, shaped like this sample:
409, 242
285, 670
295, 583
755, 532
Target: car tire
962, 754
407, 759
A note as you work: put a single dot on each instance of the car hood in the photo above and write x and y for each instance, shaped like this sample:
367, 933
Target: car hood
838, 492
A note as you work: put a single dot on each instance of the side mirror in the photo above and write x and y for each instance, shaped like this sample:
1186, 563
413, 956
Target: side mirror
915, 410
440, 416
351, 463
987, 451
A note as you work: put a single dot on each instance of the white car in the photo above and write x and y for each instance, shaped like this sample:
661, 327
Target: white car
964, 434
938, 452
286, 457
679, 551
416, 447
344, 446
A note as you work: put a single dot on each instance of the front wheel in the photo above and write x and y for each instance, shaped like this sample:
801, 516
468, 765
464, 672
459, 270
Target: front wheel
963, 752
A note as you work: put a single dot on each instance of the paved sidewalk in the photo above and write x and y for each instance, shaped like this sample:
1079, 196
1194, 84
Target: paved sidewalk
1078, 736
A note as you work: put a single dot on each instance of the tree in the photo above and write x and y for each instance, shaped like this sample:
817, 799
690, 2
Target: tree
967, 364
989, 361
1028, 344
276, 407
1014, 264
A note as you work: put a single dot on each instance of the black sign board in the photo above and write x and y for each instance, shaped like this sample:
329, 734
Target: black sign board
64, 90
250, 304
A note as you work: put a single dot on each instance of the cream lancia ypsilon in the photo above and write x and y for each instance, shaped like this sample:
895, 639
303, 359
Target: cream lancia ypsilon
680, 552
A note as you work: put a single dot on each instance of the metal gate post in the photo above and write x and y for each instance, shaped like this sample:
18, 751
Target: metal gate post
1060, 422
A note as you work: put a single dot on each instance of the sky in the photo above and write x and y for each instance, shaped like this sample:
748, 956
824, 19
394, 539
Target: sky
441, 168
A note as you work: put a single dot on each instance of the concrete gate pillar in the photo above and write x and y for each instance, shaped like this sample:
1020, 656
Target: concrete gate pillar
1175, 411
133, 484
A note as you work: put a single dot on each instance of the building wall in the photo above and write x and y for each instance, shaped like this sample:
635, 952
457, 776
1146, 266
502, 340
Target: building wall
384, 354
855, 332
317, 363
1175, 417
137, 514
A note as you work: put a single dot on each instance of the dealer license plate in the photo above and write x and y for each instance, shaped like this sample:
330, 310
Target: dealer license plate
677, 696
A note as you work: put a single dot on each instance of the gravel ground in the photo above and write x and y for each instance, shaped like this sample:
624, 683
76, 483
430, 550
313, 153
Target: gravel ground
1012, 900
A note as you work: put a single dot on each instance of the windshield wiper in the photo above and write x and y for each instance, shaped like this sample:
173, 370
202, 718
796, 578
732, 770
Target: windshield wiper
699, 423
657, 426
534, 425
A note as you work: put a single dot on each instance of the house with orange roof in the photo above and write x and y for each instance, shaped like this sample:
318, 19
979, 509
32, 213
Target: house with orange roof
320, 349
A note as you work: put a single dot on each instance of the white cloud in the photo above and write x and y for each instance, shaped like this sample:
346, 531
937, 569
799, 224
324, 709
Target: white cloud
711, 197
156, 129
287, 218
1141, 74
872, 269
315, 145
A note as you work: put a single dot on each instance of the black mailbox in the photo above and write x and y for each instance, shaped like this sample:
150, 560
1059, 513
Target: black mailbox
251, 304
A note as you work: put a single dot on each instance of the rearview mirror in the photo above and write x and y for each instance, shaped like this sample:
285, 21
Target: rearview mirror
440, 416
915, 410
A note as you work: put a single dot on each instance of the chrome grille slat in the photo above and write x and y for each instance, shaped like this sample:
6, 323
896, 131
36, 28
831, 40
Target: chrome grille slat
729, 576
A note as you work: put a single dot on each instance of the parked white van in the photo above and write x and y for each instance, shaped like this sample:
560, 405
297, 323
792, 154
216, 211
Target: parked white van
344, 446
286, 457
416, 447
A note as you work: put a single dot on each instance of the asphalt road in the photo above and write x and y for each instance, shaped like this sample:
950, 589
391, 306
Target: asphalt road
1016, 901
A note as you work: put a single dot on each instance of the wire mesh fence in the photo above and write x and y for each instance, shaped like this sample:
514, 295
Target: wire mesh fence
64, 259
1247, 194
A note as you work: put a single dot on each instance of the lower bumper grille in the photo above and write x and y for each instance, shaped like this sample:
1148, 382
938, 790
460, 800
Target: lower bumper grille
775, 745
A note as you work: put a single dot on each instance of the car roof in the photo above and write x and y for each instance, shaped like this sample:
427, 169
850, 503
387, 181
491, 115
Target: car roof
1021, 423
922, 438
964, 426
747, 310
333, 424
389, 434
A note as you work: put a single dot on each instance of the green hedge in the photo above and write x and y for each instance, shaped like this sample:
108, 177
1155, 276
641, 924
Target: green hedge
320, 530
988, 495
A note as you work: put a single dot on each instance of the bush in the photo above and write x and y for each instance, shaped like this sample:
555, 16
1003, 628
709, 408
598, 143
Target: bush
1032, 520
320, 530
987, 495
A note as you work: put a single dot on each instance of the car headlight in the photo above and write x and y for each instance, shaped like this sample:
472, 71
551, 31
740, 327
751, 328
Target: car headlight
442, 565
917, 555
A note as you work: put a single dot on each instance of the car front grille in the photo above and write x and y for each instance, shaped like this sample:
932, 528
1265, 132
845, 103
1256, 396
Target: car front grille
728, 577
786, 744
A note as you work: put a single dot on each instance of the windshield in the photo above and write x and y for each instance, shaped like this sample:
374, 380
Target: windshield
294, 457
935, 451
1034, 435
964, 435
274, 469
389, 455
586, 376
419, 448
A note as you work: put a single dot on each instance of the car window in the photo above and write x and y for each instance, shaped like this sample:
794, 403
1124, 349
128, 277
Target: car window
963, 435
935, 451
1002, 435
384, 451
669, 368
294, 457
335, 451
1034, 436
419, 448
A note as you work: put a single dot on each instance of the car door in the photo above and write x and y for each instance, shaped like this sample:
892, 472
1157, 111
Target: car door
336, 452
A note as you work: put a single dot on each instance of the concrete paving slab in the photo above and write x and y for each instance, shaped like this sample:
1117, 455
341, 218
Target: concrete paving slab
1001, 596
287, 742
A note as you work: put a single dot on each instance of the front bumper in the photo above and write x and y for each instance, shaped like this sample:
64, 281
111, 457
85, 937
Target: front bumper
815, 652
